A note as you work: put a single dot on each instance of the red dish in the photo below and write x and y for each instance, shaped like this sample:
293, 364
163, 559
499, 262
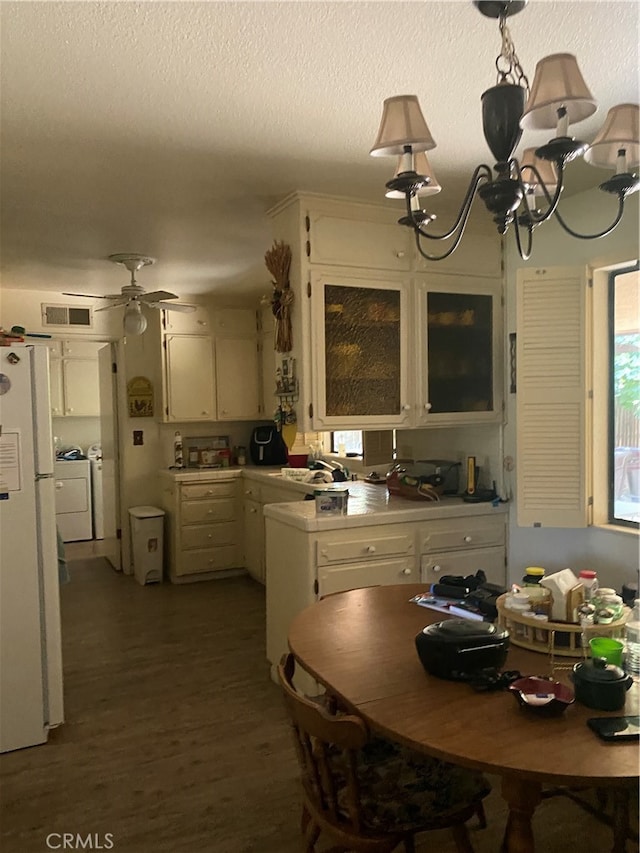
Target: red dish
542, 695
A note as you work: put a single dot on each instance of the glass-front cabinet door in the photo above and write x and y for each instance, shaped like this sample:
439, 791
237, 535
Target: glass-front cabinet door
360, 348
459, 371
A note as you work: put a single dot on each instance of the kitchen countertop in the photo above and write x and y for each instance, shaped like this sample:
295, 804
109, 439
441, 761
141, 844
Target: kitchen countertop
368, 504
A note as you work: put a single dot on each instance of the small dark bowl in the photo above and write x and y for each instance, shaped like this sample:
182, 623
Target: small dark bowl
542, 696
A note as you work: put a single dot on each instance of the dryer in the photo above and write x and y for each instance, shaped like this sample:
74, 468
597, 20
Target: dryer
73, 499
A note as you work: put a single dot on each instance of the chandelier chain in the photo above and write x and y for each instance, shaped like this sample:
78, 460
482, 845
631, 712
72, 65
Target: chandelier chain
507, 63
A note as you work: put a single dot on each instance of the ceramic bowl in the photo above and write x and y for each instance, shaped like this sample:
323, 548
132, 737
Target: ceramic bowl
541, 695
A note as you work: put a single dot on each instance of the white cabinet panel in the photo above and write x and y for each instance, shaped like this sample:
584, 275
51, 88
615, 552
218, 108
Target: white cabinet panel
81, 349
194, 323
354, 576
490, 560
189, 378
253, 537
81, 385
372, 544
344, 240
238, 378
462, 533
55, 387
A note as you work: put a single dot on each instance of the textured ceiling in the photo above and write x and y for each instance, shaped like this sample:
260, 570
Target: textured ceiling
169, 128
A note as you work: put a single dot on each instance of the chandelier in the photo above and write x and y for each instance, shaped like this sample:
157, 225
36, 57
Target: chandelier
524, 193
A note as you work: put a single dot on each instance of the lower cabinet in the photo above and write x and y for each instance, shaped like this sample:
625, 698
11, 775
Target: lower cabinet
302, 567
204, 528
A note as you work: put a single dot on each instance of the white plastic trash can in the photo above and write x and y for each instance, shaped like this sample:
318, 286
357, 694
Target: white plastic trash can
147, 534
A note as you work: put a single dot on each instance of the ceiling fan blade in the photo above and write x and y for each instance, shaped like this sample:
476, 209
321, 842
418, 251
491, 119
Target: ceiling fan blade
173, 306
115, 304
95, 295
157, 295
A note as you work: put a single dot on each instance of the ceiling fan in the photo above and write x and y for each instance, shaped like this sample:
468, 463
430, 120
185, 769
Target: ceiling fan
133, 296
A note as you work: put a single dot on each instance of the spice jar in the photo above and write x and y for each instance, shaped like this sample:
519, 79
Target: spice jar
589, 580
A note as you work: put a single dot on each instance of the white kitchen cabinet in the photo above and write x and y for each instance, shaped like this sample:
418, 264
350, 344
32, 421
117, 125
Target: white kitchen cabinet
369, 366
459, 372
196, 322
74, 380
461, 546
238, 378
204, 527
189, 378
256, 496
304, 565
360, 345
356, 236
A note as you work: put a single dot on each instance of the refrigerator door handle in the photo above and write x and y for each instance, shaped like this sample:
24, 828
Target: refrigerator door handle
42, 425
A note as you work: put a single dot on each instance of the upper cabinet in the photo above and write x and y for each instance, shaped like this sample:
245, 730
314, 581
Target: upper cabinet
74, 380
359, 342
381, 338
212, 374
192, 323
459, 345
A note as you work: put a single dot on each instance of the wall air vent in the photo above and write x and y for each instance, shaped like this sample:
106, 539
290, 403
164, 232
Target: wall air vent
67, 315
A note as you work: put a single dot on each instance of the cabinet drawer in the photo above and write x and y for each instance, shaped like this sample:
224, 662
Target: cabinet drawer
197, 512
222, 489
82, 349
382, 572
362, 548
473, 532
209, 560
490, 560
208, 535
336, 239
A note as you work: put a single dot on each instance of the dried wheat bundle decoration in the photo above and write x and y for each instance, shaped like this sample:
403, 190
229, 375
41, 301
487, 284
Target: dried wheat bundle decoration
278, 262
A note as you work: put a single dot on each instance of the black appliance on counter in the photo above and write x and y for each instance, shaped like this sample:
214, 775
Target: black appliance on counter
267, 446
443, 474
457, 649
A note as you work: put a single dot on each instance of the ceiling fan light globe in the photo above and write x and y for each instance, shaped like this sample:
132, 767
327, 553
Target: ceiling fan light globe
134, 321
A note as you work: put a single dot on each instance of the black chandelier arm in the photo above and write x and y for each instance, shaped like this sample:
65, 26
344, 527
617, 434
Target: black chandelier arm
525, 255
603, 233
551, 201
481, 173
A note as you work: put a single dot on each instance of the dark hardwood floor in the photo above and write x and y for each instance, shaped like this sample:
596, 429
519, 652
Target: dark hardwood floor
175, 738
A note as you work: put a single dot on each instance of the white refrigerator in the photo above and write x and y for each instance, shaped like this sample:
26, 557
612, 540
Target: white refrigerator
31, 700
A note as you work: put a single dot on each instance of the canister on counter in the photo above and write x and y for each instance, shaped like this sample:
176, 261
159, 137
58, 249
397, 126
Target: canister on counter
331, 501
589, 580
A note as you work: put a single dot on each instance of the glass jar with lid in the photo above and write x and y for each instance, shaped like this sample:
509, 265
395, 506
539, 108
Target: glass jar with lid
532, 576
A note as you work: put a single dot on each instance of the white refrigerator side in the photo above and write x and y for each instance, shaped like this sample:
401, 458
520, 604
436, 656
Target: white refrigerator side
46, 537
22, 686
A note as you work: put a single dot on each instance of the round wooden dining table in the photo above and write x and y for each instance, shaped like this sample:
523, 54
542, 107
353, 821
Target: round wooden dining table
360, 645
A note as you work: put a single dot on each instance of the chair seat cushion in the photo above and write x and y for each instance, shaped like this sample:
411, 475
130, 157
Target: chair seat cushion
402, 790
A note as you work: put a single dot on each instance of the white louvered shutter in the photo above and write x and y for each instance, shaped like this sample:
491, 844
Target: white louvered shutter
552, 397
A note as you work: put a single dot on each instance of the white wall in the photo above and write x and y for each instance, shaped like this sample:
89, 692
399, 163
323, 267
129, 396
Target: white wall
614, 555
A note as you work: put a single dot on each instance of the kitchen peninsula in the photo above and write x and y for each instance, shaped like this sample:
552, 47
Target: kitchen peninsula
381, 540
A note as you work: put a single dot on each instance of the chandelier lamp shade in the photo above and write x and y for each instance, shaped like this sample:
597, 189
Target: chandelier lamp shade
519, 193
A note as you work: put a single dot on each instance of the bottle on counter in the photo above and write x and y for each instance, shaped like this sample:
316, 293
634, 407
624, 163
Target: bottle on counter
178, 458
632, 637
589, 580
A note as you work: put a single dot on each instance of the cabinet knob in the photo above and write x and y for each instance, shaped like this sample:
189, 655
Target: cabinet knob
371, 549
400, 254
427, 407
210, 492
204, 413
69, 410
406, 407
253, 509
59, 486
224, 411
406, 571
467, 538
437, 569
210, 536
209, 512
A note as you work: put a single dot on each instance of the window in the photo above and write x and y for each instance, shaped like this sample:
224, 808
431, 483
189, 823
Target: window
350, 438
624, 397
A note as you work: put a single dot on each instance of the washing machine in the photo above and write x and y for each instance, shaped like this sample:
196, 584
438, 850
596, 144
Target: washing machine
94, 454
73, 499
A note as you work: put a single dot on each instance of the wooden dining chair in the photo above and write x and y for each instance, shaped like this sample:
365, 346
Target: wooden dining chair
368, 794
